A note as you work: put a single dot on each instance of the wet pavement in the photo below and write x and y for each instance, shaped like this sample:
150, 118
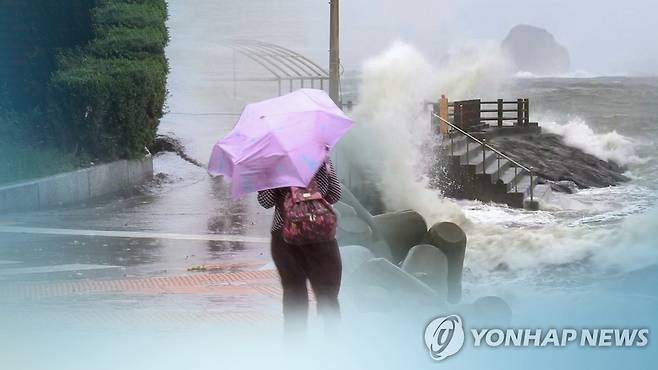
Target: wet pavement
117, 281
187, 220
180, 250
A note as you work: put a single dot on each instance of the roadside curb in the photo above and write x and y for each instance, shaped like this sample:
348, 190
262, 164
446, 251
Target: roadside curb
77, 186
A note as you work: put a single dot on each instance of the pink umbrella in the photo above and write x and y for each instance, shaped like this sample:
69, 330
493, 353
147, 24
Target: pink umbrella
279, 142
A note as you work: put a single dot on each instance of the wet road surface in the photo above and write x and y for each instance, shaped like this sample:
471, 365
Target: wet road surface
169, 225
133, 257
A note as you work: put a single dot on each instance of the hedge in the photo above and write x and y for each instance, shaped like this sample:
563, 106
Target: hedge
108, 108
23, 154
132, 43
129, 14
11, 125
106, 99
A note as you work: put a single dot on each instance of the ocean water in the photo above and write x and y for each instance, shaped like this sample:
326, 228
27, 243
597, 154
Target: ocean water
594, 233
574, 240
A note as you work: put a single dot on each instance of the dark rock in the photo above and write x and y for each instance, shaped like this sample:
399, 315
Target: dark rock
535, 50
564, 186
556, 161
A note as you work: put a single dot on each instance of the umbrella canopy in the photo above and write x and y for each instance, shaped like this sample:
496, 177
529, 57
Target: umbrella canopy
279, 142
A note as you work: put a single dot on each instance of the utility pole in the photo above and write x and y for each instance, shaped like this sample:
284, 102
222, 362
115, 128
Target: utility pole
334, 52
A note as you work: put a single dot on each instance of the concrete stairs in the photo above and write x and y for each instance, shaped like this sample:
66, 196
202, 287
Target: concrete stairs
465, 171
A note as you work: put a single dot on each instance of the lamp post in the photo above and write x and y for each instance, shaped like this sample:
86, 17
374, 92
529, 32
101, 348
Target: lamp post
334, 52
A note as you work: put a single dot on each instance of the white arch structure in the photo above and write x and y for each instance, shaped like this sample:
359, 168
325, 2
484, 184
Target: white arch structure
285, 66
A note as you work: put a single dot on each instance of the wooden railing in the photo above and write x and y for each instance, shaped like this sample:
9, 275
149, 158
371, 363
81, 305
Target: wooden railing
468, 114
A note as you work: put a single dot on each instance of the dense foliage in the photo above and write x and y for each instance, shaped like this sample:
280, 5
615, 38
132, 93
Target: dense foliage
84, 78
107, 99
108, 108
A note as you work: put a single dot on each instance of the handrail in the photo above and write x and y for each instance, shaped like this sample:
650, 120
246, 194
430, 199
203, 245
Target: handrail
530, 170
482, 143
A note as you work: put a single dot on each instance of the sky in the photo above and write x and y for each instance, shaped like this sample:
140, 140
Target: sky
603, 37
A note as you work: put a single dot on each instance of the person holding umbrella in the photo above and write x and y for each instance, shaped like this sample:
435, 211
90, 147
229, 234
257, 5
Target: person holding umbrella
280, 149
316, 261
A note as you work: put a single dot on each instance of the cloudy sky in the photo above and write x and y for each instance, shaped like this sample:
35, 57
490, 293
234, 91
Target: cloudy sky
603, 36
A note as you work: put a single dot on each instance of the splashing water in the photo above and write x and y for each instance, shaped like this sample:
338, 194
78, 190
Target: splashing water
610, 146
474, 69
392, 126
393, 89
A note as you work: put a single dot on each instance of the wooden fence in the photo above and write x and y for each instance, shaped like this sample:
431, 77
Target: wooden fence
474, 115
468, 114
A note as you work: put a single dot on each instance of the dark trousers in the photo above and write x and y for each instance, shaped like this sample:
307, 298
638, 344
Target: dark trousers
318, 263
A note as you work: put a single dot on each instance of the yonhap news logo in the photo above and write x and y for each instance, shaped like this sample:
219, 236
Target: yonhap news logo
445, 336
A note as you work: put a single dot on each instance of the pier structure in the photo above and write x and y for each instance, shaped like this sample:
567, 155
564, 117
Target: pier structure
466, 166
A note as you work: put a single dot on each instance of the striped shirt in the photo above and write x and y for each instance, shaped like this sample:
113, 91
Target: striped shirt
327, 182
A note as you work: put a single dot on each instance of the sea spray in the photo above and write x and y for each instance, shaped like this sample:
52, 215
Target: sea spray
392, 125
610, 146
474, 69
390, 129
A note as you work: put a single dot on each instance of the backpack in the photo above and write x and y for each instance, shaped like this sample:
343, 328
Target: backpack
307, 217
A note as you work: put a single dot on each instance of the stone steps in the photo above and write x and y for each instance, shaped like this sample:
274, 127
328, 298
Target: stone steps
483, 176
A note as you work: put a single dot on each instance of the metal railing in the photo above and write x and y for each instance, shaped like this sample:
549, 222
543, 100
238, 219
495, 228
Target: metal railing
499, 154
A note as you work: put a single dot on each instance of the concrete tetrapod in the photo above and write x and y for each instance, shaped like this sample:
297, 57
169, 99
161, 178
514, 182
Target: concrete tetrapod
428, 264
343, 209
493, 310
349, 199
351, 228
401, 230
451, 240
353, 256
348, 232
396, 288
489, 311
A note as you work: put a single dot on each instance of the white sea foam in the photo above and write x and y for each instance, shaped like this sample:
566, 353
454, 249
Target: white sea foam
609, 146
529, 253
575, 74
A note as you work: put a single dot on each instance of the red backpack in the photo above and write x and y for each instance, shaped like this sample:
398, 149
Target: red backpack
307, 217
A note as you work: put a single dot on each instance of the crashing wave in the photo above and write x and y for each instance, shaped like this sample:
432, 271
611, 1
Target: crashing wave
610, 146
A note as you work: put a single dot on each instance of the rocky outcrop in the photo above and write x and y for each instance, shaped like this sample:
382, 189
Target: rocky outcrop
535, 50
558, 162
